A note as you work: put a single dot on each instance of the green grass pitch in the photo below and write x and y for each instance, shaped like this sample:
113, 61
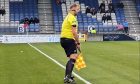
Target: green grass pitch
107, 63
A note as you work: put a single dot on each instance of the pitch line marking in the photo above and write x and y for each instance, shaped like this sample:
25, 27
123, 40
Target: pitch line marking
79, 77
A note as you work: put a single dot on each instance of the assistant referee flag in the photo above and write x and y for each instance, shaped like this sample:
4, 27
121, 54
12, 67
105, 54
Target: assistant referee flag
80, 63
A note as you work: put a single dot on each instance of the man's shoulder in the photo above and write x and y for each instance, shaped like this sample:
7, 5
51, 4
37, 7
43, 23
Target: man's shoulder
71, 16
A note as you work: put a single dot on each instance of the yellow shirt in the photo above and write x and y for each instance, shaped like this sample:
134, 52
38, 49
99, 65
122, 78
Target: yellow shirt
66, 31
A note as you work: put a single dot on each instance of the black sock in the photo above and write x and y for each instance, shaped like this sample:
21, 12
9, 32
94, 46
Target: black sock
69, 67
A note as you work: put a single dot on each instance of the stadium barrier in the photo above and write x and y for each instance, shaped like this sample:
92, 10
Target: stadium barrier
30, 38
117, 37
34, 38
56, 38
1, 38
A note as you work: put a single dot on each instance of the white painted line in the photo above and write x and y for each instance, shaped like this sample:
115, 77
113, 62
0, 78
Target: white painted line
79, 77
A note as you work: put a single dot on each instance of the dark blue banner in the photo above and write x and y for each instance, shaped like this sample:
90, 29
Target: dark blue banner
117, 37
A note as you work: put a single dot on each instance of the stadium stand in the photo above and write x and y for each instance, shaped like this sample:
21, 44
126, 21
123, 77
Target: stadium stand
57, 15
49, 10
15, 11
136, 28
138, 5
46, 16
24, 9
119, 16
6, 27
87, 19
132, 16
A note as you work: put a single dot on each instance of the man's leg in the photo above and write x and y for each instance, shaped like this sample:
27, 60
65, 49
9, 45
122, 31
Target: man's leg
70, 64
125, 28
69, 68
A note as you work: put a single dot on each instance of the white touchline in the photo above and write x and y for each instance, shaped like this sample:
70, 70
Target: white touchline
79, 77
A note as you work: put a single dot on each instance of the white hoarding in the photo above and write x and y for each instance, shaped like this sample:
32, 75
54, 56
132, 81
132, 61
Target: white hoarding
1, 38
30, 38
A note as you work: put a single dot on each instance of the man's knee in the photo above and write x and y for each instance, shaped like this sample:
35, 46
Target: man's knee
73, 56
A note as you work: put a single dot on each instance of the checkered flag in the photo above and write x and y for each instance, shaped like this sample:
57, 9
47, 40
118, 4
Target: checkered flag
80, 63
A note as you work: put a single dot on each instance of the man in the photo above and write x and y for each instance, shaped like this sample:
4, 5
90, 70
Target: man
120, 27
104, 18
2, 11
93, 11
120, 5
69, 40
111, 7
125, 24
108, 16
36, 20
31, 21
102, 7
87, 9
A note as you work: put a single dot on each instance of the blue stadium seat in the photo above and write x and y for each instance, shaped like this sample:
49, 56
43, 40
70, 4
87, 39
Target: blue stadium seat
85, 20
31, 27
19, 10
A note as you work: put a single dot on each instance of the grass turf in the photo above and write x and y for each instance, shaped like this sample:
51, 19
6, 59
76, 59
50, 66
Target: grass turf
107, 63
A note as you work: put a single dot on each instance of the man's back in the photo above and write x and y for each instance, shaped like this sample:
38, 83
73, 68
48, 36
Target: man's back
66, 31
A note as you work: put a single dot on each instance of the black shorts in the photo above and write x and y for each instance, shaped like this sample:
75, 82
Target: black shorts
69, 46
